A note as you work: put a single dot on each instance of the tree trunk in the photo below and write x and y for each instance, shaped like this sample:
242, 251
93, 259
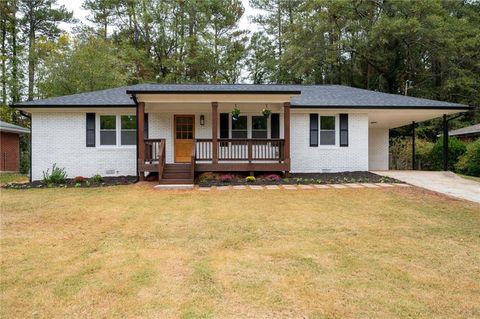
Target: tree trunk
31, 58
3, 27
14, 90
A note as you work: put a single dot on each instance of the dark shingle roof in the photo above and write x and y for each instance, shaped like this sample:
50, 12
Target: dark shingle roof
309, 96
12, 128
469, 130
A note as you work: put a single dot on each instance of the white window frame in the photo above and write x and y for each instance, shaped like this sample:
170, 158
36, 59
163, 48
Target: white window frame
249, 124
118, 128
337, 131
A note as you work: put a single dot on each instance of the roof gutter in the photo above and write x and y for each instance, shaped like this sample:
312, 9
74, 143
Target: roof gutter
214, 92
460, 108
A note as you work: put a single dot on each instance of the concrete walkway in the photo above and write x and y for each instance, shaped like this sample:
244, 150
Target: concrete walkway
446, 183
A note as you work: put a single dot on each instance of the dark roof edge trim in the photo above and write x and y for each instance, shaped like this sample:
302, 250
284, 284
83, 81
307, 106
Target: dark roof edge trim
460, 108
39, 106
212, 92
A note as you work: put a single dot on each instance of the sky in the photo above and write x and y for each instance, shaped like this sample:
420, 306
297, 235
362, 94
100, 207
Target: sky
80, 14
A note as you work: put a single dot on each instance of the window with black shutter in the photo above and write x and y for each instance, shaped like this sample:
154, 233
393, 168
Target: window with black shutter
275, 125
90, 132
224, 125
145, 126
313, 129
343, 130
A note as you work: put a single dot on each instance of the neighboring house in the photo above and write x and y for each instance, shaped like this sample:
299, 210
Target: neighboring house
467, 134
10, 146
312, 128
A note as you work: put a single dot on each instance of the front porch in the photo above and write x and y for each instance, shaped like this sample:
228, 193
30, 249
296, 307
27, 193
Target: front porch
188, 145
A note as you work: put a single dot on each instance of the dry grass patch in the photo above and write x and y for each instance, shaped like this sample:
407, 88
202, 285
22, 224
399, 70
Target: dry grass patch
130, 251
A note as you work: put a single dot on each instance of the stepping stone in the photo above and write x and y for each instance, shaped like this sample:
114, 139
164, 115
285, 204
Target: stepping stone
222, 188
256, 187
239, 187
289, 187
321, 186
384, 185
204, 189
338, 186
272, 187
173, 186
369, 185
402, 185
305, 186
353, 185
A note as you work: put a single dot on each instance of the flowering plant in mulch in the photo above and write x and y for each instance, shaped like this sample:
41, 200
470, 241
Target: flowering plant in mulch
227, 178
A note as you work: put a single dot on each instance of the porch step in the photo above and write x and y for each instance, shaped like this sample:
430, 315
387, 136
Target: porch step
177, 174
172, 181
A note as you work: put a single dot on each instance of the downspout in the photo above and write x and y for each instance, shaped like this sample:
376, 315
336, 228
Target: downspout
30, 144
134, 98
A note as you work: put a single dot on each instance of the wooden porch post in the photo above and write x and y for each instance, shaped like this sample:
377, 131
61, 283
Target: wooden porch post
141, 142
286, 131
214, 132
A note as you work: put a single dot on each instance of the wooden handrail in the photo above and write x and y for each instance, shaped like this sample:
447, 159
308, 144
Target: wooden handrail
242, 149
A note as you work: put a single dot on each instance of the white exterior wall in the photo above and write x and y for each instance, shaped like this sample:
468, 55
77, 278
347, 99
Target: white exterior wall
378, 149
306, 159
60, 138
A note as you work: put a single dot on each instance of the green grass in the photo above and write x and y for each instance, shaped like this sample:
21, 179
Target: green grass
6, 178
133, 252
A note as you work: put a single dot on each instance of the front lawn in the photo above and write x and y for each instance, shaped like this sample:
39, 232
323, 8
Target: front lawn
133, 252
6, 178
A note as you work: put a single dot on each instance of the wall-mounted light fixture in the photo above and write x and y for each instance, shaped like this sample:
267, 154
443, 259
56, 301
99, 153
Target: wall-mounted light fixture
202, 120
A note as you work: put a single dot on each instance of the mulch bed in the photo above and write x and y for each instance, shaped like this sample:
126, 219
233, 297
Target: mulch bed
71, 183
302, 179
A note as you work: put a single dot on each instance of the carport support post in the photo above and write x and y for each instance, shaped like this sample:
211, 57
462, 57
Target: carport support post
445, 143
413, 146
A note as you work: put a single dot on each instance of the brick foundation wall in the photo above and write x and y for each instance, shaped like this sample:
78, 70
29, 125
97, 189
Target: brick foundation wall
9, 152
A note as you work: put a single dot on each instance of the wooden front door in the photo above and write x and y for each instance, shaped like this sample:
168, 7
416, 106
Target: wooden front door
184, 131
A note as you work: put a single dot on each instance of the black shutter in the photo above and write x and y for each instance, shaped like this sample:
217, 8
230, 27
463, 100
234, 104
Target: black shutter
313, 129
224, 125
145, 126
275, 125
90, 134
343, 130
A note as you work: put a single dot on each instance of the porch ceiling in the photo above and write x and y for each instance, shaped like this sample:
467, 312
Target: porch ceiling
249, 107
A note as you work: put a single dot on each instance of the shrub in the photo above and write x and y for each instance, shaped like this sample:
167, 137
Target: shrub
250, 179
206, 177
273, 178
423, 151
57, 176
469, 163
79, 179
227, 178
97, 178
456, 148
78, 185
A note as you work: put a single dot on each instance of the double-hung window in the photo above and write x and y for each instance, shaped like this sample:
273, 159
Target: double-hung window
327, 130
118, 130
129, 129
239, 127
259, 127
108, 130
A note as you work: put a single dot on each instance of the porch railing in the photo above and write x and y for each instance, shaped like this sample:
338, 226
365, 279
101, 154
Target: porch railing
155, 154
242, 149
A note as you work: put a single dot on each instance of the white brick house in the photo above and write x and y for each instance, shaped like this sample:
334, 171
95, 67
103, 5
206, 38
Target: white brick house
317, 128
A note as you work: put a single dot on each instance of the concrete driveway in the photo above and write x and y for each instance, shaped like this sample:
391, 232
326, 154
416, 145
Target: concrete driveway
446, 183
